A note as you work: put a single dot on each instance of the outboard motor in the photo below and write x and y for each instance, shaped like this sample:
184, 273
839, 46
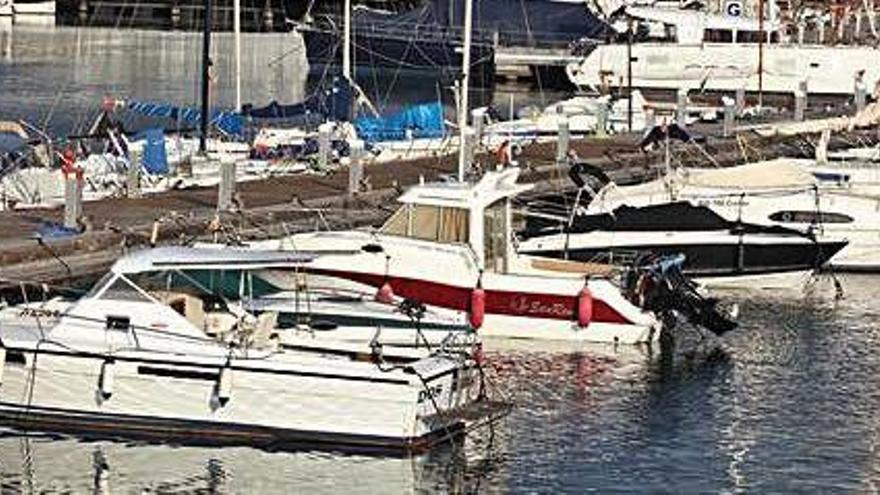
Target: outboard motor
658, 284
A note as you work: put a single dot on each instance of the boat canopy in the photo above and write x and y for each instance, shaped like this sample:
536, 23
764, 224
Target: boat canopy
771, 174
415, 121
191, 258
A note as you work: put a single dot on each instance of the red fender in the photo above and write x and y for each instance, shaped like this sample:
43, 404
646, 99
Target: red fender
477, 307
385, 294
584, 307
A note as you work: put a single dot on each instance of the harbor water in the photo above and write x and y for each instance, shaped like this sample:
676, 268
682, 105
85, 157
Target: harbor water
787, 403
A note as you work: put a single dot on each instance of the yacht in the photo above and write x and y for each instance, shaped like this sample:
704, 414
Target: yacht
767, 217
691, 49
449, 246
152, 353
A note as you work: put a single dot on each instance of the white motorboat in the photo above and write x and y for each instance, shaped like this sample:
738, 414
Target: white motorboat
450, 246
689, 49
780, 192
143, 355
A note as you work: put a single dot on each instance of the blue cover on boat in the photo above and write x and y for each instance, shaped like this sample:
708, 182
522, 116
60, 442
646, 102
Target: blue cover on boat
155, 160
424, 121
231, 123
332, 103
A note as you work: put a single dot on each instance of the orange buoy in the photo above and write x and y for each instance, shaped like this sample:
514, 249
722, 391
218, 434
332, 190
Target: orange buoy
584, 306
477, 311
385, 294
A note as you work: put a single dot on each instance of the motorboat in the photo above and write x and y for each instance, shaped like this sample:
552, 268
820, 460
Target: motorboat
34, 8
694, 50
759, 218
449, 245
151, 353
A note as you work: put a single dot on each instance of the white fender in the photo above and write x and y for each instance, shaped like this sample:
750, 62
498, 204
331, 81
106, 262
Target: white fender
105, 382
224, 385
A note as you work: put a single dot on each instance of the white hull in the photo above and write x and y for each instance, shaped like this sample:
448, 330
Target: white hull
728, 67
34, 8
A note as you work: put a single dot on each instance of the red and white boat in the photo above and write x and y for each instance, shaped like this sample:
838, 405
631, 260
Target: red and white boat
449, 246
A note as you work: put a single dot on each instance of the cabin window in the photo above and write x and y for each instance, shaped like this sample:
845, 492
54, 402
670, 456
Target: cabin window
398, 223
123, 290
425, 221
718, 36
495, 237
753, 37
430, 223
812, 217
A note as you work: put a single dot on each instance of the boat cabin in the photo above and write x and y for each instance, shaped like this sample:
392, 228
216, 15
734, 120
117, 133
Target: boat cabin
176, 290
474, 214
689, 27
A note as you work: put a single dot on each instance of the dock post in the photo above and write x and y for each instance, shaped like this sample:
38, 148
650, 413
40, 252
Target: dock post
133, 175
478, 117
650, 118
729, 116
469, 144
681, 107
83, 11
73, 186
324, 132
800, 101
861, 92
601, 121
740, 100
226, 190
563, 137
355, 166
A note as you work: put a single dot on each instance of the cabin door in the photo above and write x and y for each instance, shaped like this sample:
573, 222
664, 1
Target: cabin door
495, 237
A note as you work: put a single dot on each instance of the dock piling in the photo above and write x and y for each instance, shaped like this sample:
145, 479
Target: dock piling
73, 189
601, 121
729, 116
740, 100
324, 131
861, 92
226, 190
800, 101
478, 117
133, 175
355, 166
563, 137
681, 107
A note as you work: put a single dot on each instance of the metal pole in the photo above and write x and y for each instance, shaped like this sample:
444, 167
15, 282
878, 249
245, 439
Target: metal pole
206, 57
236, 7
465, 85
761, 35
629, 73
346, 42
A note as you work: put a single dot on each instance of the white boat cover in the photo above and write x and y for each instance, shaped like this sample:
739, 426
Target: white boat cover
771, 174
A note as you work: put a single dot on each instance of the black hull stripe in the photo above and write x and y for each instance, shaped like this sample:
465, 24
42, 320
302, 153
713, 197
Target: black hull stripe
195, 432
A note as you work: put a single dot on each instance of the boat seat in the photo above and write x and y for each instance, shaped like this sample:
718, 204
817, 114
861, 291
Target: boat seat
190, 307
568, 266
219, 323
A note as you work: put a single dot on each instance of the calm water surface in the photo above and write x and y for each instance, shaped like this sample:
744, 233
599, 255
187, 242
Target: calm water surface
787, 403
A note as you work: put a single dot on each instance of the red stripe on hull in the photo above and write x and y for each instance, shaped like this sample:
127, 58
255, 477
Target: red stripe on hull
524, 304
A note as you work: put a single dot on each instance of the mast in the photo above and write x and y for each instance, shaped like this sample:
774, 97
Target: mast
236, 7
761, 34
206, 60
464, 86
346, 42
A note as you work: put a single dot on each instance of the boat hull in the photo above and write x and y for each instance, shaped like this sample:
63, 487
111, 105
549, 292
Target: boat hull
269, 407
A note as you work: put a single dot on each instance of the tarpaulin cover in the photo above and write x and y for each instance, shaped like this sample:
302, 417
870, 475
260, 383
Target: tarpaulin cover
154, 160
231, 123
423, 121
333, 103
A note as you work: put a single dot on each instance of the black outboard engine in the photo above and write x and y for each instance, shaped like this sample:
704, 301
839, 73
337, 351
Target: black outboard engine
657, 284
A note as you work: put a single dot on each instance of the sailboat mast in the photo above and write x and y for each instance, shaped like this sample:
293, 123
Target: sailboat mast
464, 86
236, 7
761, 34
206, 60
346, 42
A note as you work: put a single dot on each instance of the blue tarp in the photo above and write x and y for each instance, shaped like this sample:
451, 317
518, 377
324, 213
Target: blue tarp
154, 160
424, 121
231, 123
